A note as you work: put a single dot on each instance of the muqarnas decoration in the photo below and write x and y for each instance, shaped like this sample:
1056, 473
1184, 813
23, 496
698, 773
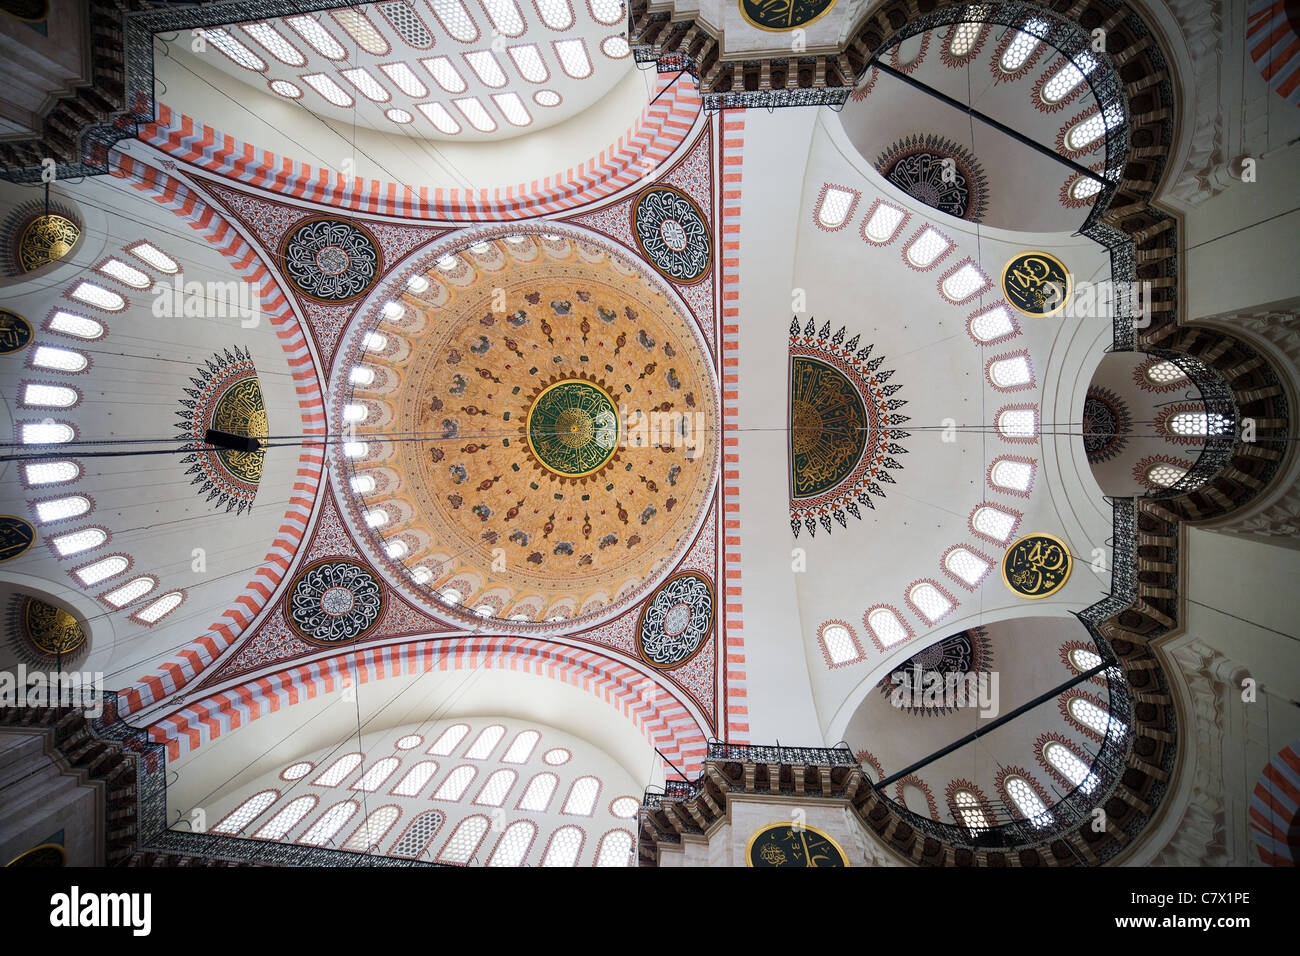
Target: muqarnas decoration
227, 397
938, 172
844, 427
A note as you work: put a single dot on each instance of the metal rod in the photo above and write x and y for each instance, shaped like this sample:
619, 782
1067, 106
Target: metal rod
995, 724
673, 765
985, 118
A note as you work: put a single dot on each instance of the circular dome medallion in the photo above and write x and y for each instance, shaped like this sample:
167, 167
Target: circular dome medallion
51, 630
15, 332
333, 602
676, 621
572, 428
571, 410
671, 232
46, 239
1036, 566
330, 259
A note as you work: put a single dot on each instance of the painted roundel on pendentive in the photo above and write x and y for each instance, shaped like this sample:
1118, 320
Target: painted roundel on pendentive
334, 601
676, 621
1037, 566
778, 16
16, 536
331, 260
672, 233
15, 332
1036, 283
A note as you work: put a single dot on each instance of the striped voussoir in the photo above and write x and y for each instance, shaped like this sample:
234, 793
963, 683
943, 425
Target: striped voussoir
660, 129
1275, 807
661, 717
190, 661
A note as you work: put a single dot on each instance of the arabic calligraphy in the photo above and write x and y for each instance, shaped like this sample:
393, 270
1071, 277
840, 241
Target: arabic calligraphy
789, 844
1036, 283
777, 16
1036, 566
16, 536
15, 332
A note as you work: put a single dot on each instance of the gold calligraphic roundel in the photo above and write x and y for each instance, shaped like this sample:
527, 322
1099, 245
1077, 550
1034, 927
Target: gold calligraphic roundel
46, 239
778, 16
791, 844
16, 536
15, 332
1037, 566
45, 855
52, 630
572, 428
1036, 283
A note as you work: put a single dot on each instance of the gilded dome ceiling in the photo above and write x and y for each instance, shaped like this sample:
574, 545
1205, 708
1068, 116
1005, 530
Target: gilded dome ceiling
539, 431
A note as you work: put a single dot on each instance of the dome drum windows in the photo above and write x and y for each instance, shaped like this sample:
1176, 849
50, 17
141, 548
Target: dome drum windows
339, 770
513, 846
419, 833
964, 282
1010, 372
457, 782
464, 840
581, 800
834, 207
1025, 798
1012, 475
993, 523
1070, 770
1020, 49
968, 568
993, 325
323, 831
924, 250
248, 811
564, 847
1018, 423
930, 601
286, 819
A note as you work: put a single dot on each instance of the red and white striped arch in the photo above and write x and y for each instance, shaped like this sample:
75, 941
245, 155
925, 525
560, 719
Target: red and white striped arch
662, 718
661, 128
191, 660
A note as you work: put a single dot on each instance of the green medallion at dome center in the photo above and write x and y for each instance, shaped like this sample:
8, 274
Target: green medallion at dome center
573, 428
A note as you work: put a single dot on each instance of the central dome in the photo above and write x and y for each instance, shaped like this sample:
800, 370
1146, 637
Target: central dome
539, 427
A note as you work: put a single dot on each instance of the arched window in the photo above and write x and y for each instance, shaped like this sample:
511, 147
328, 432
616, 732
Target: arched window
930, 601
409, 742
374, 778
51, 472
537, 796
1163, 474
573, 58
464, 840
234, 49
1027, 801
375, 827
1070, 766
1069, 76
966, 566
990, 521
396, 550
514, 844
103, 569
964, 282
358, 26
1009, 372
124, 273
447, 740
288, 818
76, 325
1083, 660
1011, 474
363, 484
564, 847
1095, 718
376, 518
993, 324
883, 223
838, 644
556, 756
160, 608
834, 207
886, 627
133, 590
317, 37
422, 575
624, 807
450, 595
1018, 423
331, 821
454, 787
36, 395
498, 785
296, 771
1023, 45
152, 255
79, 541
615, 849
60, 509
607, 12
355, 413
355, 449
246, 812
418, 835
971, 812
486, 741
49, 433
98, 296
362, 375
962, 37
1193, 424
1164, 373
521, 748
338, 770
581, 800
1085, 132
415, 779
60, 360
927, 247
1084, 187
